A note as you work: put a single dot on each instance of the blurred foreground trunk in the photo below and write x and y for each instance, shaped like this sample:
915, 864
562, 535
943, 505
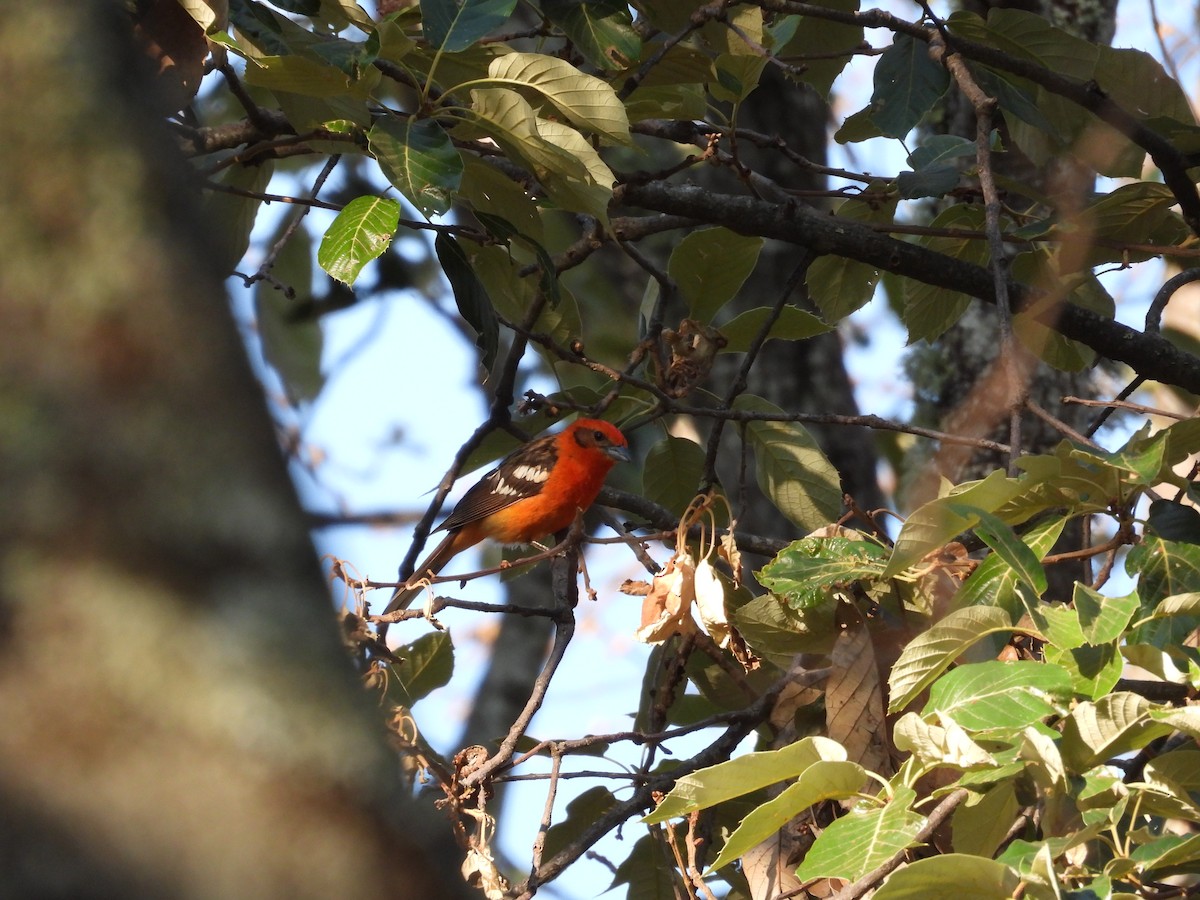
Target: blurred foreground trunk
179, 719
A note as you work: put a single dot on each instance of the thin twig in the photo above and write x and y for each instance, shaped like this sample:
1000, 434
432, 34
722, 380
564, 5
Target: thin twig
539, 843
1134, 407
273, 254
1059, 424
642, 797
566, 593
741, 378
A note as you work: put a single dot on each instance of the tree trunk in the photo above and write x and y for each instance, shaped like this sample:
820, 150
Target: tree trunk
179, 716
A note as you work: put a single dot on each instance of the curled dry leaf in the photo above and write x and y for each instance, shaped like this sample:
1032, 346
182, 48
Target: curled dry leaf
479, 870
710, 603
633, 588
691, 352
667, 608
728, 551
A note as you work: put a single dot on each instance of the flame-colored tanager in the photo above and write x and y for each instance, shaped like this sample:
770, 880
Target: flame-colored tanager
536, 490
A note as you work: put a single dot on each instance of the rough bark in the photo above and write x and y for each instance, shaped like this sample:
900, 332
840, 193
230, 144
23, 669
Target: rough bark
179, 718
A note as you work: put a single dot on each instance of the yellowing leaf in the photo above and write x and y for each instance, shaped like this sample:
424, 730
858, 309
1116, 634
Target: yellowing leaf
583, 99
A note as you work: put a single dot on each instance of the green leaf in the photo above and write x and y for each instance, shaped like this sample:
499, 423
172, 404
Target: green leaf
1138, 213
791, 469
648, 870
858, 127
291, 344
1174, 521
581, 812
417, 156
737, 75
1168, 852
426, 664
297, 75
997, 695
1176, 605
951, 876
1103, 619
777, 633
454, 25
265, 29
1165, 567
359, 234
935, 523
672, 473
928, 310
602, 31
862, 840
993, 582
936, 167
1096, 732
1004, 541
741, 775
490, 191
1094, 668
823, 780
353, 58
907, 85
837, 285
710, 266
584, 100
931, 653
932, 746
981, 824
793, 324
830, 43
668, 101
233, 214
512, 295
507, 233
804, 571
474, 305
562, 160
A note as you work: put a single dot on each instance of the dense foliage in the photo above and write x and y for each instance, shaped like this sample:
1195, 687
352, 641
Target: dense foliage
934, 717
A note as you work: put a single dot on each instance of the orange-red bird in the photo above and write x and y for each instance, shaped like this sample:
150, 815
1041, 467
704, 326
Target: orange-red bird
536, 490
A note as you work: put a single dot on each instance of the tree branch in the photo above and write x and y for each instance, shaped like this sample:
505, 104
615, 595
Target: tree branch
1147, 354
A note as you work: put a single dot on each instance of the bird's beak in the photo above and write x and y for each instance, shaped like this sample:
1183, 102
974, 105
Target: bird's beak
620, 454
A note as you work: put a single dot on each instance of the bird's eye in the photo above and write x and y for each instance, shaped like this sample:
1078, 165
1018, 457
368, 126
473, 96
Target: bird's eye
600, 436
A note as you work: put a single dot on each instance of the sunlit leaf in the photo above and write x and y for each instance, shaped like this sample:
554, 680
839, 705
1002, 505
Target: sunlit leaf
999, 695
359, 234
935, 523
1115, 724
805, 570
861, 840
951, 876
584, 100
743, 774
823, 780
931, 653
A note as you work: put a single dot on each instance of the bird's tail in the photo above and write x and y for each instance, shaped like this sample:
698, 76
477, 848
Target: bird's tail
434, 563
